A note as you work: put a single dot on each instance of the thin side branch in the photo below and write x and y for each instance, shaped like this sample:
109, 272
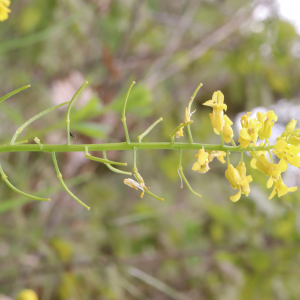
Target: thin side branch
59, 175
4, 178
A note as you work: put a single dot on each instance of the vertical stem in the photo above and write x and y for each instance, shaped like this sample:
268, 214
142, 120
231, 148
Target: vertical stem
227, 157
68, 112
182, 176
271, 158
242, 156
180, 158
189, 111
59, 175
134, 159
222, 139
123, 113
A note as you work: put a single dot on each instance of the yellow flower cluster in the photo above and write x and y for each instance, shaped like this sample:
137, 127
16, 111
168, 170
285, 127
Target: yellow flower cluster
205, 157
219, 121
260, 127
4, 10
286, 149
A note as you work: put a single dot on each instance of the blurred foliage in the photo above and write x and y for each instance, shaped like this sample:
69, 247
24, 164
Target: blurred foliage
126, 247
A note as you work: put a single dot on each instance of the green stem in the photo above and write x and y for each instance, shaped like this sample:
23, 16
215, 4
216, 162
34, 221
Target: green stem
114, 169
137, 176
255, 154
141, 136
14, 92
134, 159
227, 157
68, 112
125, 146
178, 127
242, 156
4, 178
271, 158
222, 138
180, 171
59, 175
123, 113
189, 111
232, 142
102, 160
16, 143
20, 129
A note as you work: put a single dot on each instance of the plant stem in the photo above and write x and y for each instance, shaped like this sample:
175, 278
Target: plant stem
178, 127
123, 113
102, 160
59, 175
20, 129
68, 112
232, 142
4, 178
141, 136
222, 138
115, 169
181, 174
189, 111
125, 146
14, 92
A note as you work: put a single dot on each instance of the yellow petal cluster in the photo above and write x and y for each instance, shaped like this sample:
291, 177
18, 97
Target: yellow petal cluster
179, 132
4, 10
258, 153
286, 152
238, 180
269, 169
281, 189
201, 165
217, 116
218, 154
267, 124
227, 130
187, 118
205, 157
249, 131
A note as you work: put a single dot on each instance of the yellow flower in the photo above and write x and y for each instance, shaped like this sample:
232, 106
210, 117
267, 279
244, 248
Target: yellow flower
258, 153
238, 180
245, 120
218, 154
290, 135
217, 103
201, 165
249, 133
271, 170
267, 125
4, 10
187, 118
27, 295
289, 129
287, 152
136, 185
179, 132
227, 130
281, 189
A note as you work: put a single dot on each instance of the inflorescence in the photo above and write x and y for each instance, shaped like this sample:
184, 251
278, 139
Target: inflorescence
286, 148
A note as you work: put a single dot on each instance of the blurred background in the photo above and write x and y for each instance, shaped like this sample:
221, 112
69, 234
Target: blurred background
126, 247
